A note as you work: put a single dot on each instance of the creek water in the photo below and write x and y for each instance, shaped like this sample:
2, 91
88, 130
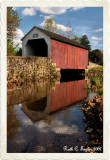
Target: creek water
45, 117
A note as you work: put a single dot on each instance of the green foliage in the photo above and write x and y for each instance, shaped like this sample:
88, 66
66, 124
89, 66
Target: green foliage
75, 38
12, 71
100, 90
95, 84
21, 74
33, 76
50, 25
11, 48
19, 52
88, 85
13, 22
96, 81
97, 68
85, 42
96, 56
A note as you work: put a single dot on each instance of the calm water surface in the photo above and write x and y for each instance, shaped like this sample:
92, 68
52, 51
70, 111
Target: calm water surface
46, 117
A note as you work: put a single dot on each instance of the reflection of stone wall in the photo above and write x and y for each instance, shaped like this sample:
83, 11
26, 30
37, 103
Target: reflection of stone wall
22, 68
29, 92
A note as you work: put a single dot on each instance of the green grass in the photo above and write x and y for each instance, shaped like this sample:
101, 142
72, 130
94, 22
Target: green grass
96, 81
100, 68
21, 75
100, 91
88, 85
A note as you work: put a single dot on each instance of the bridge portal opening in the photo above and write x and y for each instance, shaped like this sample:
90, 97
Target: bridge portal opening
72, 74
37, 47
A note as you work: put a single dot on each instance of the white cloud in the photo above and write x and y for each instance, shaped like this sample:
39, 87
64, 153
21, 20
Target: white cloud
81, 30
29, 11
52, 10
14, 8
64, 129
95, 43
96, 38
64, 28
99, 30
58, 127
27, 121
47, 10
42, 126
19, 33
77, 8
18, 41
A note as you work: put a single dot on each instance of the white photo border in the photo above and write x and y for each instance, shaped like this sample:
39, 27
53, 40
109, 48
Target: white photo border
106, 74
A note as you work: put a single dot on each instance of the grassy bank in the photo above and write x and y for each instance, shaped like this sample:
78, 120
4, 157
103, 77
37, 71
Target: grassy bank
100, 68
95, 80
93, 110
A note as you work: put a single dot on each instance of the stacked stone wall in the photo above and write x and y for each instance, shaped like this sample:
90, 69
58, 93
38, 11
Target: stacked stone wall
30, 68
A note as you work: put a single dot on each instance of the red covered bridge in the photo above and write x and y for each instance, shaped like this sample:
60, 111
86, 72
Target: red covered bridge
64, 95
66, 53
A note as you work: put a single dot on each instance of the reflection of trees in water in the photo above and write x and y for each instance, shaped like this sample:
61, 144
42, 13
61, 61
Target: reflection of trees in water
12, 122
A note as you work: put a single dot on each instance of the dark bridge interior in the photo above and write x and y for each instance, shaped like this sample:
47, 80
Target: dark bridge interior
38, 105
38, 47
72, 74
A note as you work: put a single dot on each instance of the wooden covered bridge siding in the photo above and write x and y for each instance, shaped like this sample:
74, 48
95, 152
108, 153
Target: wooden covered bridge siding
67, 56
66, 53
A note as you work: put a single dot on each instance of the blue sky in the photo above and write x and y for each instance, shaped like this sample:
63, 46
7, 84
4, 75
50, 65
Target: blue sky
83, 20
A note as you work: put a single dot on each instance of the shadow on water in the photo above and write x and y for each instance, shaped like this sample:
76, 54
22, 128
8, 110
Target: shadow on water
46, 116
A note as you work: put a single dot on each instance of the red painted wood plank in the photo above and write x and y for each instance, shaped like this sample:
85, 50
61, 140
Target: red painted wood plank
67, 56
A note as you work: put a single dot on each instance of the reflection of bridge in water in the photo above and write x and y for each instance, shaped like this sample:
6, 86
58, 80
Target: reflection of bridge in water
64, 94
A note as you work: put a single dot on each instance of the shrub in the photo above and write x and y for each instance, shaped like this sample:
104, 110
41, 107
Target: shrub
21, 74
97, 68
96, 56
96, 81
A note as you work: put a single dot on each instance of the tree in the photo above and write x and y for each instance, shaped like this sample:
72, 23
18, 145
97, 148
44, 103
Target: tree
85, 42
69, 33
96, 56
11, 48
75, 38
50, 25
13, 22
19, 52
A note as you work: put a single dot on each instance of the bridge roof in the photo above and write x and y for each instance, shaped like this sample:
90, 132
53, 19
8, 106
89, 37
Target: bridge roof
57, 37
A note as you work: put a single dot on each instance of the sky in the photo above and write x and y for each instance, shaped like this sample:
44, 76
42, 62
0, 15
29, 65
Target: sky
83, 20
